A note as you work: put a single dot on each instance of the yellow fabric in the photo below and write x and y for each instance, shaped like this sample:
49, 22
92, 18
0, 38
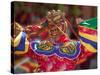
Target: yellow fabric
33, 64
15, 42
88, 46
90, 37
18, 61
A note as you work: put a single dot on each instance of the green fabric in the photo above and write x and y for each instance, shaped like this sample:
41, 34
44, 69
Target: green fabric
20, 70
90, 23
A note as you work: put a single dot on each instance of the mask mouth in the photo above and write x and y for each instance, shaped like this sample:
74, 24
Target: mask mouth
54, 31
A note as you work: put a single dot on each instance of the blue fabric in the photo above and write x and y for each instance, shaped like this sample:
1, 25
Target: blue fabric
56, 50
92, 43
21, 46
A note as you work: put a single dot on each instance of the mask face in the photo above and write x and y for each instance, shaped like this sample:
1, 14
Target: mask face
56, 22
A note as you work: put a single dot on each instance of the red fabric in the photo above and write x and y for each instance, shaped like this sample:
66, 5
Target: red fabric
87, 30
44, 35
83, 55
36, 28
56, 61
63, 38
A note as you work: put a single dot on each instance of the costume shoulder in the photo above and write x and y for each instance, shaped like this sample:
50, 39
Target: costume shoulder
20, 43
